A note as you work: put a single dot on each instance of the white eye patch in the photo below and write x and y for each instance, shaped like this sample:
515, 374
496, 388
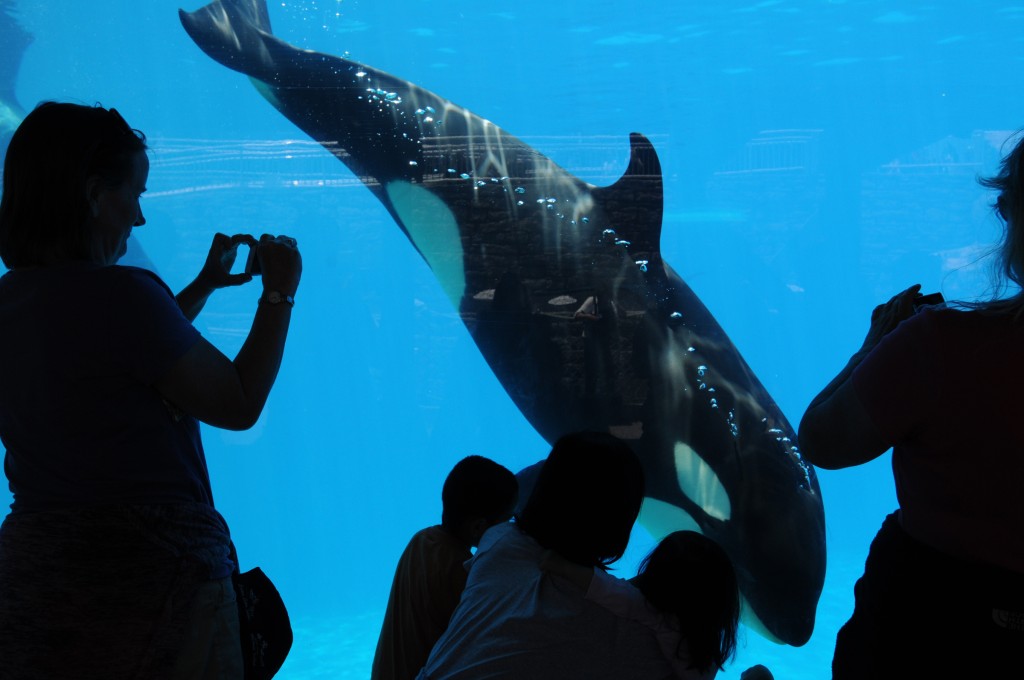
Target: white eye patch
700, 484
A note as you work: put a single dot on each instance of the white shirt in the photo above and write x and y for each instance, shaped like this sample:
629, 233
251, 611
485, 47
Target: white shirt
516, 621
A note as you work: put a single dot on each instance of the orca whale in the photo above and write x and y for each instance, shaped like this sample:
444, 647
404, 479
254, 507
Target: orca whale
563, 288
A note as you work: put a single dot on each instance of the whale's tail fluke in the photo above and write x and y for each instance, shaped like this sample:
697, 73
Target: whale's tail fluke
236, 33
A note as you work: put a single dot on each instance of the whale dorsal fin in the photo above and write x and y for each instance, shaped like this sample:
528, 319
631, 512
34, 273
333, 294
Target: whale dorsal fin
635, 203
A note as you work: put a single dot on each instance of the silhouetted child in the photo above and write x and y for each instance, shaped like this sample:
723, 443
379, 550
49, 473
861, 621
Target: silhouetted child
685, 589
430, 576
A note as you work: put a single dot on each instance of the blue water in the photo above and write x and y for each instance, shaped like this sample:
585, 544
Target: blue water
818, 157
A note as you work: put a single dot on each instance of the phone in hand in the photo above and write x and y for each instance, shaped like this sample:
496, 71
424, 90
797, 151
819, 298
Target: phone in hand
929, 300
252, 263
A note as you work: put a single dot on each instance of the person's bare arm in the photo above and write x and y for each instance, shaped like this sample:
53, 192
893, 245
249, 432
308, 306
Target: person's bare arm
231, 394
836, 430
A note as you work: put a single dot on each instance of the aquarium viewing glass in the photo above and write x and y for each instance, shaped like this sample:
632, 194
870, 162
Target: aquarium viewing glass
817, 157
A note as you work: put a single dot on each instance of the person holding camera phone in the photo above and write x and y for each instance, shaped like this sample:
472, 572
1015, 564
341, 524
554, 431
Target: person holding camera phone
114, 562
942, 593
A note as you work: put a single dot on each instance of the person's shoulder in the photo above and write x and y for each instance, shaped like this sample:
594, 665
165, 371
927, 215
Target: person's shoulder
932, 319
90, 280
950, 315
432, 530
436, 538
135, 279
499, 531
131, 272
503, 534
953, 320
431, 534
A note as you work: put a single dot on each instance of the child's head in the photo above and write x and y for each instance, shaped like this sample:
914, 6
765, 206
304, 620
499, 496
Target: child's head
690, 576
477, 494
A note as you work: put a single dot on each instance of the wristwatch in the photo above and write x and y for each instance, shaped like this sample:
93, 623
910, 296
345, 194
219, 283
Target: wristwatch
273, 297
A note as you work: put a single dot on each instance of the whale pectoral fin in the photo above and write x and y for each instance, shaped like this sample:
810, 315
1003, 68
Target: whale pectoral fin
634, 204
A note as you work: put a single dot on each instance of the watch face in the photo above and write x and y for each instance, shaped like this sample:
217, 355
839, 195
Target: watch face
275, 297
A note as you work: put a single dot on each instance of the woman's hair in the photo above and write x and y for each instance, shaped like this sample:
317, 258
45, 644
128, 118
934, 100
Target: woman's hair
586, 498
1009, 205
50, 159
689, 576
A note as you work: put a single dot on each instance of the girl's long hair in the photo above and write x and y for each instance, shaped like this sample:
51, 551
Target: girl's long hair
690, 577
1009, 206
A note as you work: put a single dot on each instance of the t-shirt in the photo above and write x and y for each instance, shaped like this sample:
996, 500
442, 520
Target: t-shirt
945, 390
428, 582
79, 417
622, 598
516, 621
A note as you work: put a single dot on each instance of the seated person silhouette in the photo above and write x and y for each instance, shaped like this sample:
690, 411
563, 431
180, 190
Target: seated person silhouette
477, 494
